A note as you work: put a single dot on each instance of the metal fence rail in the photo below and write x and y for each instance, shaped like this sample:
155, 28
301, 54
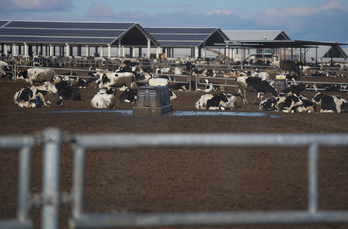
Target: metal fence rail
50, 198
24, 145
119, 141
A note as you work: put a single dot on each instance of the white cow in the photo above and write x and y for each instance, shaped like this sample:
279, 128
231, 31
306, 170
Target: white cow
115, 79
104, 99
40, 75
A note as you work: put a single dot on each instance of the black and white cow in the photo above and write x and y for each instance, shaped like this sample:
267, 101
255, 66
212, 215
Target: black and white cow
26, 97
211, 102
105, 98
68, 92
29, 97
234, 101
294, 89
296, 104
288, 104
39, 75
128, 96
255, 84
50, 94
116, 79
269, 104
330, 104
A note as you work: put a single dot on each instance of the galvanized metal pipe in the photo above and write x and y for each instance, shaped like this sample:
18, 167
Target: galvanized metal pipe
51, 178
207, 140
16, 141
207, 219
78, 182
313, 178
24, 183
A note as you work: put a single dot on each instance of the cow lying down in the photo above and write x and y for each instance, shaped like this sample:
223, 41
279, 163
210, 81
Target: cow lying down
105, 98
330, 104
41, 96
219, 101
288, 104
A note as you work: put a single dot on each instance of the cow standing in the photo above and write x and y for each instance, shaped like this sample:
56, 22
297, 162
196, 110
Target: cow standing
255, 84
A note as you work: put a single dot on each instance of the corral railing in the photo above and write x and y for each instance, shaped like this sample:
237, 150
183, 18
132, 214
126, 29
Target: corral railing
50, 198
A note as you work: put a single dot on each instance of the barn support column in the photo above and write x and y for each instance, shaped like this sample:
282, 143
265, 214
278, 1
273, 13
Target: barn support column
148, 47
5, 49
67, 49
158, 49
133, 51
51, 52
196, 52
25, 49
109, 50
316, 54
204, 52
101, 51
87, 51
14, 50
123, 52
119, 48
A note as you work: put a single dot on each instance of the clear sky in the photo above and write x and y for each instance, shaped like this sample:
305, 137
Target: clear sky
315, 20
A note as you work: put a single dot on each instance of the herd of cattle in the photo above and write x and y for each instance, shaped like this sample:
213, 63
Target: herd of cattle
54, 89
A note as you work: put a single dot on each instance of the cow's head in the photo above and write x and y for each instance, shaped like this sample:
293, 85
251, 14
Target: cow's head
317, 98
23, 74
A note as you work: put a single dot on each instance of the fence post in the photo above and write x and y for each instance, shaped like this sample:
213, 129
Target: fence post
51, 178
313, 172
24, 183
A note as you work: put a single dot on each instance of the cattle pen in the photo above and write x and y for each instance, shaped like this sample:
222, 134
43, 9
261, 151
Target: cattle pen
50, 198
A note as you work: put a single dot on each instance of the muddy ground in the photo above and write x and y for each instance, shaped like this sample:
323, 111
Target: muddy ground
178, 179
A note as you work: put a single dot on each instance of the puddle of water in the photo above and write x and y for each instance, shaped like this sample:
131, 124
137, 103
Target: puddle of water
218, 113
173, 113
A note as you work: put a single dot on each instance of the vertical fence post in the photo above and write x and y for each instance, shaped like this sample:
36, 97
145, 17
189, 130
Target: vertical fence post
313, 171
24, 183
51, 178
78, 182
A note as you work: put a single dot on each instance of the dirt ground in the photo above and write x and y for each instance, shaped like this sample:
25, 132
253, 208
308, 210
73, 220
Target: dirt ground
178, 179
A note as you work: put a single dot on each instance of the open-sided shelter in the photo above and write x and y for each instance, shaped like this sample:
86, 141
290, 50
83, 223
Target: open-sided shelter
73, 38
198, 40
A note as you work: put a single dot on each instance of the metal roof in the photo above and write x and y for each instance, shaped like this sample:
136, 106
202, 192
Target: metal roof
327, 52
236, 35
81, 33
279, 43
186, 37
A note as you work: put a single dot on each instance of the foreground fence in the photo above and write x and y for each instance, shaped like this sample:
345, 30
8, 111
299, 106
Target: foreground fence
51, 199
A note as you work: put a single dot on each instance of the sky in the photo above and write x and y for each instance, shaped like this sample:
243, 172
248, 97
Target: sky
312, 20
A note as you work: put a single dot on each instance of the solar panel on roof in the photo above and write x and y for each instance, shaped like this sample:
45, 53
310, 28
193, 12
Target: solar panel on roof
3, 23
71, 40
180, 37
179, 44
180, 30
68, 25
53, 32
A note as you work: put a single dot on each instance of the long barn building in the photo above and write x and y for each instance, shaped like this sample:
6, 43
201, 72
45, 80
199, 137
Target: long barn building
113, 39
